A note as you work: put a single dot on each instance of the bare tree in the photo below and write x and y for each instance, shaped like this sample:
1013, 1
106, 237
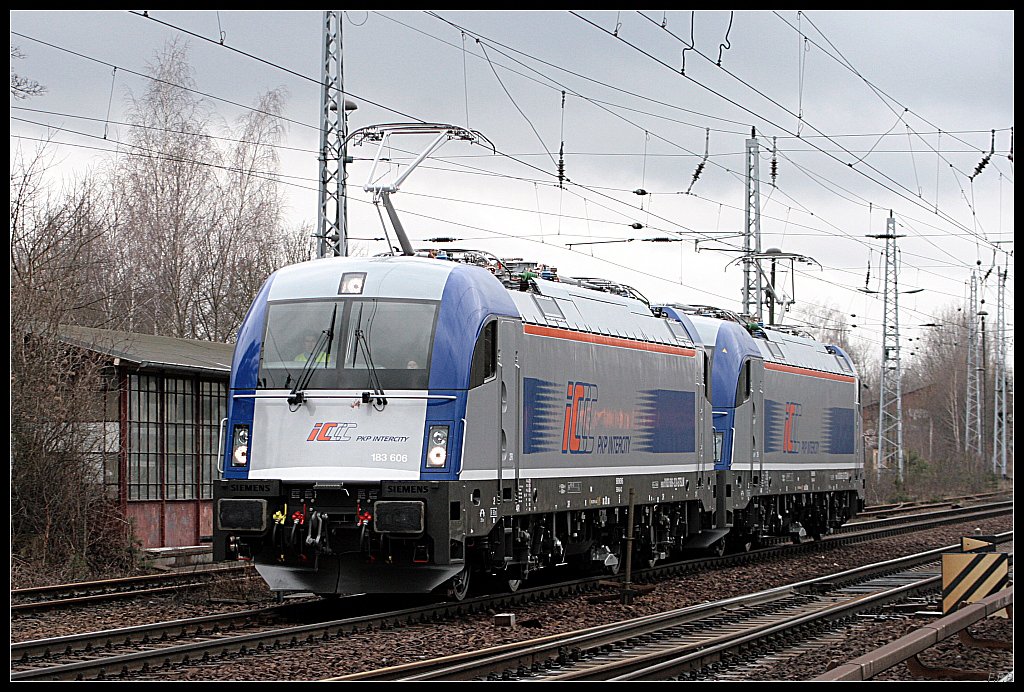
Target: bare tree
175, 236
249, 243
62, 521
198, 225
165, 194
23, 87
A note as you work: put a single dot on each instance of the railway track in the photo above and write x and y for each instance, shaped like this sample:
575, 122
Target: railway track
683, 643
126, 652
92, 592
885, 510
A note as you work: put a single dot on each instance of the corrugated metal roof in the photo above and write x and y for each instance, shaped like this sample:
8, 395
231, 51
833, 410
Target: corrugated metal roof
147, 350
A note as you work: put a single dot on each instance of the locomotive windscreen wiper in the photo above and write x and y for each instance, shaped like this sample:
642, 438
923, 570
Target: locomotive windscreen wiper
364, 349
297, 395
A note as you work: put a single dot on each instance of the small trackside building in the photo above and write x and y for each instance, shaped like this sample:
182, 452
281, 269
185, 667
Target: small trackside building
164, 400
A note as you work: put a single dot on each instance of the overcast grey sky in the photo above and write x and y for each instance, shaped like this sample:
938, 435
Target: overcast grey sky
863, 113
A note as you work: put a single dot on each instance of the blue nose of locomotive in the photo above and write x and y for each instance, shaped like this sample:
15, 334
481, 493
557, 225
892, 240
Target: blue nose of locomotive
471, 296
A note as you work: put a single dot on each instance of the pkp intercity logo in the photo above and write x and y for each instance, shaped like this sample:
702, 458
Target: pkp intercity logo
330, 432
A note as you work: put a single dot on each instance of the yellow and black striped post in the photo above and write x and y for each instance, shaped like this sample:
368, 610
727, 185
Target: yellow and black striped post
970, 577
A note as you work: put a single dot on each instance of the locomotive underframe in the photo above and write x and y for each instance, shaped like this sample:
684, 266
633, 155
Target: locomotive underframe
416, 536
797, 504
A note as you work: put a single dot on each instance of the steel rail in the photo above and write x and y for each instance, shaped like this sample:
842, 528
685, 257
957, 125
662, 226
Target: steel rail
62, 595
552, 651
126, 663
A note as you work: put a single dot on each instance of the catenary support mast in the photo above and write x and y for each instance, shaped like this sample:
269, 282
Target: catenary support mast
752, 288
331, 236
999, 404
973, 404
890, 404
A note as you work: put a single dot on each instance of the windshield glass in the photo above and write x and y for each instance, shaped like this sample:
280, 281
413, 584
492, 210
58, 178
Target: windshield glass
356, 338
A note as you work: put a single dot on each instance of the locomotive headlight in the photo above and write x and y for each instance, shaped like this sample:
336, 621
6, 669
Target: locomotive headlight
437, 449
352, 283
240, 445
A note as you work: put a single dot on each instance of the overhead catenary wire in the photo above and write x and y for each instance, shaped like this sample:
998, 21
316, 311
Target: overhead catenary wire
542, 241
545, 152
427, 196
513, 49
489, 40
849, 66
310, 78
842, 148
520, 110
766, 119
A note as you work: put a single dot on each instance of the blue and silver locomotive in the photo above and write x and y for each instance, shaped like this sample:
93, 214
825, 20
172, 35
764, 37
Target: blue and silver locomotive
412, 424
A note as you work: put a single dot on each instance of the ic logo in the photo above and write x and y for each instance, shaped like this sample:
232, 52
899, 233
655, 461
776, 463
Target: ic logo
579, 415
788, 437
330, 432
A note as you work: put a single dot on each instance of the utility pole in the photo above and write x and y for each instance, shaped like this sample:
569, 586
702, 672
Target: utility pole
752, 289
890, 403
332, 231
973, 410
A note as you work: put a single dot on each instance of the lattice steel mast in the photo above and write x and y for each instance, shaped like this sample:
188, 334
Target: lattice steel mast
752, 288
332, 236
890, 403
973, 403
999, 407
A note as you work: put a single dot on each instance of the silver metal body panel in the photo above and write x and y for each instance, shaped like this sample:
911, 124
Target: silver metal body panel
337, 439
812, 416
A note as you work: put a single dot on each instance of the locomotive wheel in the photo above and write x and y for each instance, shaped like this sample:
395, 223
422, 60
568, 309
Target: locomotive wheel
509, 579
743, 544
718, 548
653, 558
458, 586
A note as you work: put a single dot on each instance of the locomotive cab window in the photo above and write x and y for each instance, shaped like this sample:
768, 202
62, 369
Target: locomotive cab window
743, 389
485, 355
707, 374
348, 344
